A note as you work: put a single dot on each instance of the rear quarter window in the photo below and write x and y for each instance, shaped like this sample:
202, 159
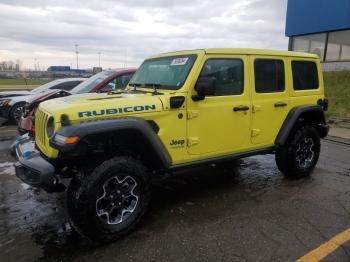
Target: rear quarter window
305, 75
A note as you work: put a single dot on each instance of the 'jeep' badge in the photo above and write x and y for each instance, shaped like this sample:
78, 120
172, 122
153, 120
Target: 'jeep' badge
177, 143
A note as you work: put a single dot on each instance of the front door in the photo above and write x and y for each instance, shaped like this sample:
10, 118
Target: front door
270, 98
221, 122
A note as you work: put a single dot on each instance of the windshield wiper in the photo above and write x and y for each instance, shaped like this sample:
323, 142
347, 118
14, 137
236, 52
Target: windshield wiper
135, 85
155, 86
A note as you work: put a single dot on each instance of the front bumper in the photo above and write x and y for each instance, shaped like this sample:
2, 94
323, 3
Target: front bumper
31, 167
4, 111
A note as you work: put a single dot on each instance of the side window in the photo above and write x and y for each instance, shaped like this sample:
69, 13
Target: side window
109, 86
305, 75
269, 75
66, 85
228, 74
122, 81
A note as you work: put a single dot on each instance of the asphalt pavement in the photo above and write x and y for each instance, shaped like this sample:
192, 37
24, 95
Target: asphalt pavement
242, 211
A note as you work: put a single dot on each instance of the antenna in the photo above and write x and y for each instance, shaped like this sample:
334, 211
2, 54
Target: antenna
77, 54
99, 59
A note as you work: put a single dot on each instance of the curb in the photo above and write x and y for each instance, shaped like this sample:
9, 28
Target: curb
338, 140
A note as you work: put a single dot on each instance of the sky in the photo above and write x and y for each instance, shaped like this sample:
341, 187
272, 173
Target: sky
42, 32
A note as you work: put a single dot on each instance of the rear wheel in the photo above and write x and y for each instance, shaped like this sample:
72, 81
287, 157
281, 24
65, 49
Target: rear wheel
298, 157
108, 203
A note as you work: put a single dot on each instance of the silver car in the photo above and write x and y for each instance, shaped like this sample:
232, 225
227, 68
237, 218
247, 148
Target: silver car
12, 102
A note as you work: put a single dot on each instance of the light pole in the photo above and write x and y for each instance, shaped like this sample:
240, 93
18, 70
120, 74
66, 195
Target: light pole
99, 59
77, 54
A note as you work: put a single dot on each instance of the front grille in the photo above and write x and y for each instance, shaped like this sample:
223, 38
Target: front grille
40, 128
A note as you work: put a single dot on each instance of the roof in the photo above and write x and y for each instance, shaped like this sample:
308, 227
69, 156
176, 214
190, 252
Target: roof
314, 16
71, 79
240, 51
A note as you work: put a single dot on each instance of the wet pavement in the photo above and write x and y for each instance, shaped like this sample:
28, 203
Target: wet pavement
242, 211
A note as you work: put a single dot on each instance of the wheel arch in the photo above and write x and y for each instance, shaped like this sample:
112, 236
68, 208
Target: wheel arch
127, 135
312, 114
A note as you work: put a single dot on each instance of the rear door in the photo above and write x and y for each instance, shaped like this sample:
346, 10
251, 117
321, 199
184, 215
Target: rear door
270, 97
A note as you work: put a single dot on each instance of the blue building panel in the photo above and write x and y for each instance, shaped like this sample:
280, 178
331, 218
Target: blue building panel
59, 68
313, 16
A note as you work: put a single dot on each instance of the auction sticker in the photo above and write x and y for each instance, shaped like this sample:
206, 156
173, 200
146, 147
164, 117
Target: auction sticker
179, 61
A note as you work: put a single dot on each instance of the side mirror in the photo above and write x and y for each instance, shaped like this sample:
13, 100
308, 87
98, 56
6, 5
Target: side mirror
205, 86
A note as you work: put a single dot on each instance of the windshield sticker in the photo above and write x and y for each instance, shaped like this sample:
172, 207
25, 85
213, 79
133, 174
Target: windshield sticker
179, 61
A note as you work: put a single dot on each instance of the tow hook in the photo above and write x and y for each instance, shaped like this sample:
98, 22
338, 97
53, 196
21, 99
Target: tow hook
56, 187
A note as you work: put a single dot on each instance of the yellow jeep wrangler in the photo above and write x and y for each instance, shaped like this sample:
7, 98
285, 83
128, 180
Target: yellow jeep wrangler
179, 110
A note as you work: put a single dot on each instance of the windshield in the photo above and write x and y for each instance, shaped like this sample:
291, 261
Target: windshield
165, 72
91, 83
45, 86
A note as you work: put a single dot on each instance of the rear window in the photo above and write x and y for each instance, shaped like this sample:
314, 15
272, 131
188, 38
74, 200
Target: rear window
269, 75
305, 76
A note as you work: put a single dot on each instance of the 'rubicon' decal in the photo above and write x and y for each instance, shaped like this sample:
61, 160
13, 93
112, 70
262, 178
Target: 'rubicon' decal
113, 111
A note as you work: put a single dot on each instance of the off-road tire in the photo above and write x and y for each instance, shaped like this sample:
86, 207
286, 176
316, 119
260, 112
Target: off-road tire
13, 110
82, 194
286, 156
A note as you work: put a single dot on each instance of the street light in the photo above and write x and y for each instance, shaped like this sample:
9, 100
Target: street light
77, 53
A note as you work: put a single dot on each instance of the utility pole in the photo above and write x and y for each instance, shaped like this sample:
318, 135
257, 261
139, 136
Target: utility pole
77, 54
99, 59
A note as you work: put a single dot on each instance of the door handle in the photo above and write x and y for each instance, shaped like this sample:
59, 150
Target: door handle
240, 108
280, 104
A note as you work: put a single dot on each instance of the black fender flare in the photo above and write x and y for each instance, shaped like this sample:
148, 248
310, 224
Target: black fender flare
313, 114
138, 125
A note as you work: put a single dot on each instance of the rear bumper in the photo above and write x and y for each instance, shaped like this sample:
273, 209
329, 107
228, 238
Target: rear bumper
323, 130
31, 167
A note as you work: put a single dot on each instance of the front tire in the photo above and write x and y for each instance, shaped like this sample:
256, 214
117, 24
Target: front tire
108, 203
16, 112
298, 157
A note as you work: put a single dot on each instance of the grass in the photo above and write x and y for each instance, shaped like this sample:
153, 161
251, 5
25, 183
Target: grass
12, 81
337, 90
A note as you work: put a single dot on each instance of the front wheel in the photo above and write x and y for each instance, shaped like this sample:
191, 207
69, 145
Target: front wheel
107, 204
298, 157
16, 112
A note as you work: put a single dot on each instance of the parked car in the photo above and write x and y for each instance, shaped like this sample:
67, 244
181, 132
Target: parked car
105, 81
180, 110
26, 123
12, 103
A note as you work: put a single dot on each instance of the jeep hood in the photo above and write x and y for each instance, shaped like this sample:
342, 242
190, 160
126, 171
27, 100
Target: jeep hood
101, 106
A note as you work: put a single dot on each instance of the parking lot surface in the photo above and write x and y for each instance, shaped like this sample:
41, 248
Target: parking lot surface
242, 211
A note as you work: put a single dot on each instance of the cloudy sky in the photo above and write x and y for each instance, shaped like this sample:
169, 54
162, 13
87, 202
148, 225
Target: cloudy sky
44, 32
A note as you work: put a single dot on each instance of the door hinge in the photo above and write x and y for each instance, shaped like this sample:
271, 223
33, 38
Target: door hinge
192, 114
255, 132
256, 108
192, 141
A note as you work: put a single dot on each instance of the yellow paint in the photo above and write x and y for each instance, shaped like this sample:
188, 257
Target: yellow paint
210, 127
326, 248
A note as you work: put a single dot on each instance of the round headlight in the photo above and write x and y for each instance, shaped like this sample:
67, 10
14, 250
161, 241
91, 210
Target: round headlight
50, 127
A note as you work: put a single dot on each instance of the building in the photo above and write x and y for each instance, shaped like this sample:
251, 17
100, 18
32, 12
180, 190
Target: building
59, 68
321, 27
67, 71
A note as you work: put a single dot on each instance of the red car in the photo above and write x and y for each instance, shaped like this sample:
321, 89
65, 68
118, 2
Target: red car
102, 82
